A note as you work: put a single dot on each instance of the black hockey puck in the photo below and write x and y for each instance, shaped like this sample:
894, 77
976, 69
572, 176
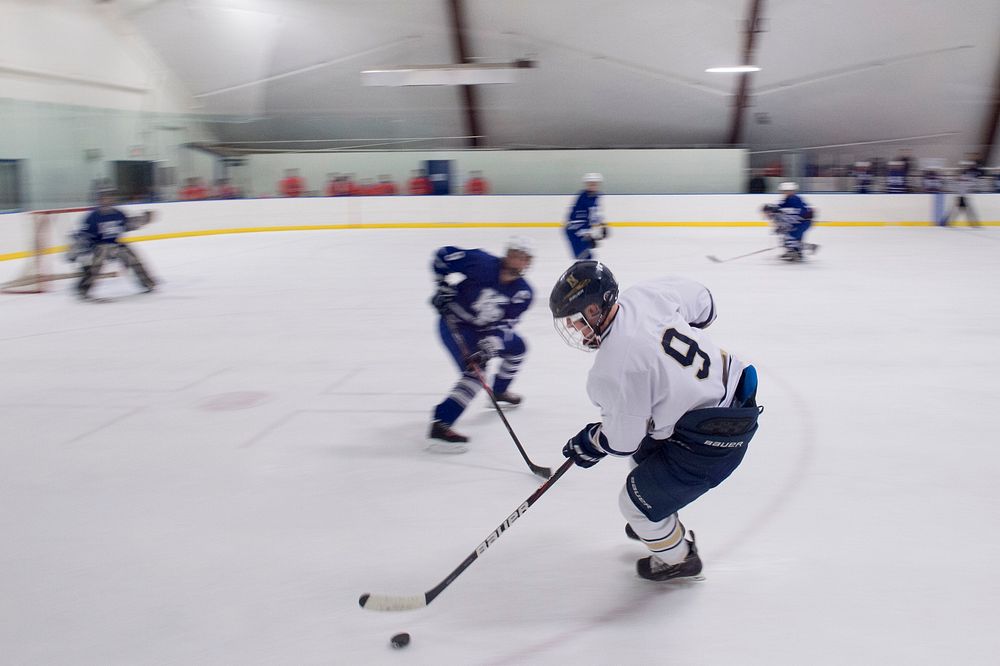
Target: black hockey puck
363, 599
400, 640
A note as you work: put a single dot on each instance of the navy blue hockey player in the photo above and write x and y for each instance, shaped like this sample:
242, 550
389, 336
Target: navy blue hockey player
478, 315
98, 240
792, 217
585, 225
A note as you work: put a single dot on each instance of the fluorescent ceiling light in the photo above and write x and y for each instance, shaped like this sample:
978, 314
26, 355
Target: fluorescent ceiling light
465, 74
736, 69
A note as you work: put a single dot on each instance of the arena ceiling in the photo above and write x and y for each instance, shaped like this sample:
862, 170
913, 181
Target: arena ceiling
609, 74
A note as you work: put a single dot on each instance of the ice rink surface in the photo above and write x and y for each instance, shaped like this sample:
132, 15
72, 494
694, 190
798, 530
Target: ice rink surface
213, 473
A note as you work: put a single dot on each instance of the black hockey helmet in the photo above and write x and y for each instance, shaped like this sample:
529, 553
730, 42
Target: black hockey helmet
580, 303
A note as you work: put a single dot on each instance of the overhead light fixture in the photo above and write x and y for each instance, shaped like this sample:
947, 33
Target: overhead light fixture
465, 74
733, 70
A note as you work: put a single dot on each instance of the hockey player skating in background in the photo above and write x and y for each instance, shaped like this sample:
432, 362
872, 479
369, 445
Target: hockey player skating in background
98, 240
791, 217
585, 225
683, 409
478, 315
964, 186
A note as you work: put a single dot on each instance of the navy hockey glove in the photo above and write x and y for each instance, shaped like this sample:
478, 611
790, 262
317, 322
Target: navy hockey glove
487, 348
444, 295
585, 447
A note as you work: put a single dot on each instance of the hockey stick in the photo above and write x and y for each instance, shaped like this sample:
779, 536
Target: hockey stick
543, 472
722, 261
387, 602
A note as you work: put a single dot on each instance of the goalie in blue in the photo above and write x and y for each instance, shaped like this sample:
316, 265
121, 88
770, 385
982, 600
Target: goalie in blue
98, 240
480, 298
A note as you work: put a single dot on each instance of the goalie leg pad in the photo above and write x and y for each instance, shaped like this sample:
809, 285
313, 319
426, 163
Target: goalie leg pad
131, 260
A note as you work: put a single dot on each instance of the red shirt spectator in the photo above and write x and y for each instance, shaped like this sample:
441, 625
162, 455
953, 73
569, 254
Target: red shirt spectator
477, 184
385, 187
419, 183
292, 185
354, 189
331, 184
225, 190
339, 187
193, 190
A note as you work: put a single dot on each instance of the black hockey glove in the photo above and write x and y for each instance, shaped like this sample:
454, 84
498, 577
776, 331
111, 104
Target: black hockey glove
487, 348
444, 295
585, 447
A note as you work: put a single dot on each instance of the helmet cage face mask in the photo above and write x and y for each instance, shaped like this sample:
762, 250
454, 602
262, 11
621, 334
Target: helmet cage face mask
578, 332
581, 301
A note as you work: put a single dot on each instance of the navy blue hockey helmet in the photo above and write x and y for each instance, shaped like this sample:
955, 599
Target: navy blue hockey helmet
580, 303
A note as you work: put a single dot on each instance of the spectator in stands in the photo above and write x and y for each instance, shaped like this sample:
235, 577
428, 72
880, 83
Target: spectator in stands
476, 184
351, 183
862, 178
906, 157
964, 186
330, 190
340, 187
419, 183
757, 184
895, 178
931, 180
292, 185
996, 179
193, 190
368, 187
225, 190
386, 186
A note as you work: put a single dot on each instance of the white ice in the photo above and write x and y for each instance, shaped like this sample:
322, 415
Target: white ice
213, 473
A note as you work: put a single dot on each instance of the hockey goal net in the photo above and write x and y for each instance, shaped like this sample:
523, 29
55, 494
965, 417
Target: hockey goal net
45, 234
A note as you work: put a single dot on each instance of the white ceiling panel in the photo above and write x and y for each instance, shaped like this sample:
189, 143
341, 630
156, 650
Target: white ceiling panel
629, 73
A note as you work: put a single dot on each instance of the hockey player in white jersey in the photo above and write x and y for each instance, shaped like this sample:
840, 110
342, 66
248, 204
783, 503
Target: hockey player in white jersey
671, 399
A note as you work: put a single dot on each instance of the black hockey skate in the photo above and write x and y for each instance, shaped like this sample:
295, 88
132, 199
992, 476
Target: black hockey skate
443, 431
651, 568
507, 399
791, 256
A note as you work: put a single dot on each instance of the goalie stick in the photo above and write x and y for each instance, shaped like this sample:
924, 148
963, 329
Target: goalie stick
388, 602
543, 472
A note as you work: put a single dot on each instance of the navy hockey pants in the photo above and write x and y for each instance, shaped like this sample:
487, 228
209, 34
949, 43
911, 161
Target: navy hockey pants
513, 344
580, 247
706, 447
448, 410
793, 239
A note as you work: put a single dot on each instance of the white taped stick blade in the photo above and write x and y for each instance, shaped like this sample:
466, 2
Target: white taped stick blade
384, 602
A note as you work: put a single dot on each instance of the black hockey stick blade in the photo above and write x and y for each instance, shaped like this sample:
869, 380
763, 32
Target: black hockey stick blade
388, 602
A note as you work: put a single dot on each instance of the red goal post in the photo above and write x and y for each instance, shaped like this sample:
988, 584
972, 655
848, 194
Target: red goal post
47, 234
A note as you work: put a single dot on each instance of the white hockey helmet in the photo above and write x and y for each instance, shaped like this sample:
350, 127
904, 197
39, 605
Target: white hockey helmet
518, 256
519, 244
788, 186
593, 177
